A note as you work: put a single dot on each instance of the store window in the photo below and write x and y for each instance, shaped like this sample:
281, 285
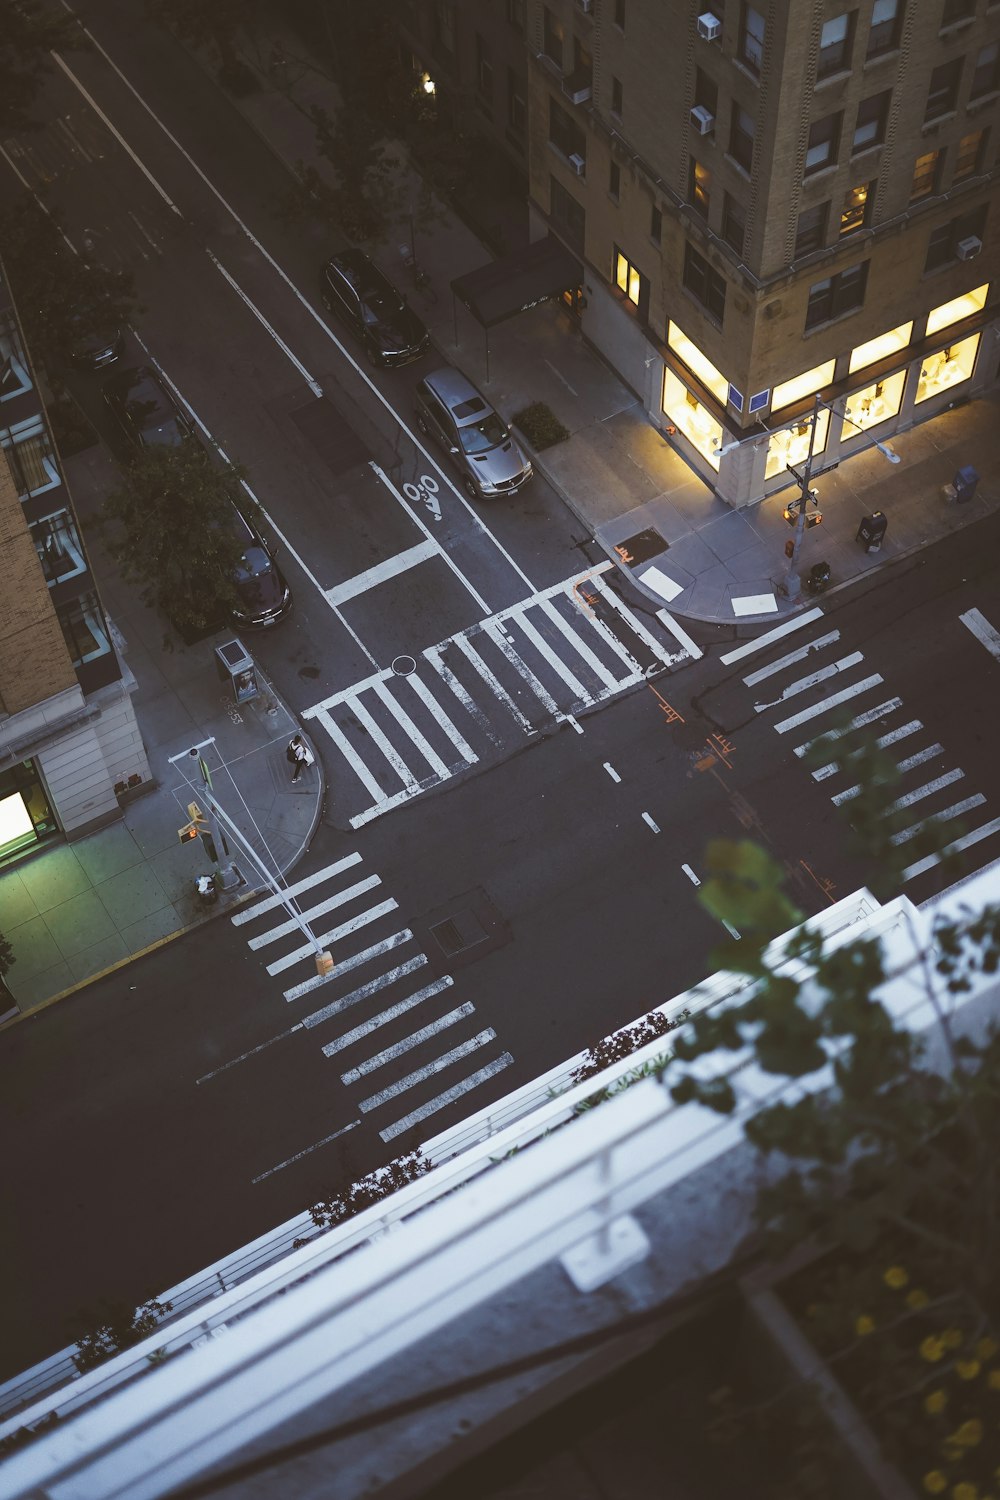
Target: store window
859, 204
802, 385
32, 460
969, 156
883, 33
835, 45
59, 549
881, 347
14, 377
699, 364
811, 232
791, 444
947, 368
84, 629
926, 171
823, 143
631, 283
875, 404
26, 818
705, 284
957, 309
686, 412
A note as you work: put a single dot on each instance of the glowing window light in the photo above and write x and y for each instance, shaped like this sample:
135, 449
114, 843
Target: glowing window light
802, 385
879, 348
957, 309
698, 363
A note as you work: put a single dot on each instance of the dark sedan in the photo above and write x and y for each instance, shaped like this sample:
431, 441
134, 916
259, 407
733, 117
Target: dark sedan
145, 410
354, 289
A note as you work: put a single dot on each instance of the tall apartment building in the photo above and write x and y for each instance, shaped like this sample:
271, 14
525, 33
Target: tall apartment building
775, 202
70, 747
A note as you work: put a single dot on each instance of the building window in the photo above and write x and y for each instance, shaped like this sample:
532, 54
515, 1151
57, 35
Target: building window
14, 377
947, 368
791, 445
942, 247
684, 410
706, 91
567, 215
969, 157
741, 136
857, 210
564, 133
957, 309
698, 363
515, 13
875, 404
517, 110
631, 283
58, 546
943, 90
957, 10
84, 629
926, 171
811, 232
699, 187
751, 48
617, 96
30, 456
886, 344
835, 45
656, 225
823, 144
705, 284
443, 26
553, 38
802, 385
615, 181
835, 296
620, 14
484, 69
883, 33
734, 223
869, 128
984, 75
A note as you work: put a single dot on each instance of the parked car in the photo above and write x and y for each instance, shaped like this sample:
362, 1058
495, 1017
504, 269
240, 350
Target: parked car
145, 410
265, 598
455, 414
354, 289
97, 349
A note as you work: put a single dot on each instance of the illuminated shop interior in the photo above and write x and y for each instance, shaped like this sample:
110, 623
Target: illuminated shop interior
957, 309
687, 414
25, 815
881, 347
791, 444
876, 403
698, 363
947, 367
802, 385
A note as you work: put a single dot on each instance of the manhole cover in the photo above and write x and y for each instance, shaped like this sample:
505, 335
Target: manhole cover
458, 932
403, 666
641, 547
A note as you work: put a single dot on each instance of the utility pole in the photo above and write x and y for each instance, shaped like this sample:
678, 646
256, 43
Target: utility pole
791, 584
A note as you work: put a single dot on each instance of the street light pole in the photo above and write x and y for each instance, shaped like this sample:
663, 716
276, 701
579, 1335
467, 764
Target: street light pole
791, 584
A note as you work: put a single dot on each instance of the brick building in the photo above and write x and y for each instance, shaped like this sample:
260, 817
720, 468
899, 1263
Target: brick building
70, 747
773, 203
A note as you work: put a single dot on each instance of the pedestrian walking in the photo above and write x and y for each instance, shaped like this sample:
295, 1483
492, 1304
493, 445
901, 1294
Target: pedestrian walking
298, 755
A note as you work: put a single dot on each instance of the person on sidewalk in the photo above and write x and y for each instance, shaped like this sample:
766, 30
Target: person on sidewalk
298, 755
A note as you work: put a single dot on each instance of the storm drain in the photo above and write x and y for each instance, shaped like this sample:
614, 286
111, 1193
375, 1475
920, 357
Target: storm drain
458, 932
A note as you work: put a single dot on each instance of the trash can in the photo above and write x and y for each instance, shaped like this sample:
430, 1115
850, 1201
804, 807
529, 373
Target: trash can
236, 666
818, 578
872, 530
965, 482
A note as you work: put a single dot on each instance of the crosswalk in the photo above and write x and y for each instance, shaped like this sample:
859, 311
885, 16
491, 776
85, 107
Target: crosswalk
931, 783
477, 695
385, 1011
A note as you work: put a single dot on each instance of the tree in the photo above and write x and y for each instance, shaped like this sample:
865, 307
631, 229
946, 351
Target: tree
214, 24
29, 31
121, 1327
170, 530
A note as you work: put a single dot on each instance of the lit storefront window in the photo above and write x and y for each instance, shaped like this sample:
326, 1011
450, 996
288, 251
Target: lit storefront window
686, 412
697, 362
947, 368
957, 309
880, 348
802, 385
26, 817
876, 403
791, 444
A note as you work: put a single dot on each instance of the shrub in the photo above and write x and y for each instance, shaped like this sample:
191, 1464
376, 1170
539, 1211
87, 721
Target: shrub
541, 426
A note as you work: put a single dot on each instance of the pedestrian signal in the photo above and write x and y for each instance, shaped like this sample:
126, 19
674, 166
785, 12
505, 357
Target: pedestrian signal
816, 520
791, 514
188, 832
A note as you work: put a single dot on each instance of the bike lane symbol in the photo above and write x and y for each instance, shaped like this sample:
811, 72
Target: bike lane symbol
425, 491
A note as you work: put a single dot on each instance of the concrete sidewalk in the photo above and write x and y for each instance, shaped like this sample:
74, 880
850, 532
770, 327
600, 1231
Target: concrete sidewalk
73, 911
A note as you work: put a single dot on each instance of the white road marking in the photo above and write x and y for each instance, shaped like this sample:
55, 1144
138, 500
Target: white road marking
320, 910
833, 701
386, 746
253, 1051
349, 753
354, 961
690, 875
569, 719
481, 1039
987, 830
364, 992
433, 655
888, 707
927, 790
955, 811
635, 624
814, 678
984, 632
730, 929
760, 641
579, 645
611, 771
418, 521
448, 1097
426, 491
647, 819
405, 723
494, 630
249, 913
791, 658
680, 635
390, 567
439, 716
543, 648
269, 328
300, 1154
346, 929
407, 1044
385, 1016
903, 766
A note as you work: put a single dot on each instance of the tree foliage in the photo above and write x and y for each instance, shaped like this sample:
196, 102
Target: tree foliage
214, 24
120, 1327
29, 31
169, 528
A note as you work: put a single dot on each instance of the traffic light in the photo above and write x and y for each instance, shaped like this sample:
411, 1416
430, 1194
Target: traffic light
195, 827
187, 833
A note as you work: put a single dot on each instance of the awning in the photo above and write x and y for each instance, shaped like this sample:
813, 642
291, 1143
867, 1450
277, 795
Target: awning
534, 274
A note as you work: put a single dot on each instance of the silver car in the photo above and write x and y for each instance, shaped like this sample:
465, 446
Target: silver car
451, 410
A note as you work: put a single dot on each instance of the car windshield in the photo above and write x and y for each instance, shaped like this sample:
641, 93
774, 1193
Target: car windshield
480, 437
253, 564
148, 407
377, 307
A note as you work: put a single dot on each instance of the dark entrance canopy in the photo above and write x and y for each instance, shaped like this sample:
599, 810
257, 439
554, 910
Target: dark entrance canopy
534, 274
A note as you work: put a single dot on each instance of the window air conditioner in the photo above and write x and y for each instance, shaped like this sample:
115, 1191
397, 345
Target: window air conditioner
578, 163
702, 119
969, 248
709, 26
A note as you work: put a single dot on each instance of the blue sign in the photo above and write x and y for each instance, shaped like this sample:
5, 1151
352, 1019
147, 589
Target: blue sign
735, 397
758, 402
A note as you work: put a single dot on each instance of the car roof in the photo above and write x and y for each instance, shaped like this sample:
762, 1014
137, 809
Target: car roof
362, 273
456, 390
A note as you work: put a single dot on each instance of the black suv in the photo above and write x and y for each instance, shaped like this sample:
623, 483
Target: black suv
354, 288
145, 410
265, 598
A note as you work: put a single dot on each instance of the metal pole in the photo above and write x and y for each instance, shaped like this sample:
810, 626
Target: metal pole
230, 878
791, 585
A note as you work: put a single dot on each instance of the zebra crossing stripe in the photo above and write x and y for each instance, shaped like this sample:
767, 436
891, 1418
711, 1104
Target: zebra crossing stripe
448, 1097
404, 721
883, 741
344, 965
433, 655
395, 760
363, 992
385, 1016
903, 766
428, 1070
791, 658
333, 936
927, 790
759, 642
434, 708
543, 648
407, 1044
349, 753
580, 646
320, 910
813, 680
833, 701
955, 811
976, 621
968, 839
494, 630
634, 623
888, 707
492, 682
259, 908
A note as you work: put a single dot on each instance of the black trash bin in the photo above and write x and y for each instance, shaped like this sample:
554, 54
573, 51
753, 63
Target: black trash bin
965, 482
818, 578
872, 530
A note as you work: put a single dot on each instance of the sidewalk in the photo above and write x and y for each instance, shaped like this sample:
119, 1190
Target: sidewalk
75, 910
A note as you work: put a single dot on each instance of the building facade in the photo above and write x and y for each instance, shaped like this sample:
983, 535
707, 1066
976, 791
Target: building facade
70, 748
775, 202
